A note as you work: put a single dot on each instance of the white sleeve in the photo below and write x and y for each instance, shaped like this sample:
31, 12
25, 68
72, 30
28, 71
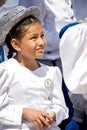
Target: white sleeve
58, 103
73, 53
9, 114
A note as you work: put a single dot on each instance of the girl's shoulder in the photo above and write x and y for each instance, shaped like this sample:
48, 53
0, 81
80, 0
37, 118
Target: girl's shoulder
9, 64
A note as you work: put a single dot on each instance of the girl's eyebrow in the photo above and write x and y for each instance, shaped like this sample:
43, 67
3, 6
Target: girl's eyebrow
35, 33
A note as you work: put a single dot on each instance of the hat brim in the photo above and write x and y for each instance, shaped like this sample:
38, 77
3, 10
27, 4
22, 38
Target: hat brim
12, 17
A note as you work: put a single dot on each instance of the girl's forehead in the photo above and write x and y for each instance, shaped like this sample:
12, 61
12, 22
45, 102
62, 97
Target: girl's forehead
35, 27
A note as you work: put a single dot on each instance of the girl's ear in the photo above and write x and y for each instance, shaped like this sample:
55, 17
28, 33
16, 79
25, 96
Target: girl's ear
15, 44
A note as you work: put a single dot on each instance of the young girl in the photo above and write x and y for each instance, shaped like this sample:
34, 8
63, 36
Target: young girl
31, 96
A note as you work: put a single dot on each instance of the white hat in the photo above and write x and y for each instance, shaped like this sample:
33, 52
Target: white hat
12, 16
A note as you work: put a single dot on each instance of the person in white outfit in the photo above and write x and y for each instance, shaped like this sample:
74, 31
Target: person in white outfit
79, 9
74, 61
31, 95
54, 15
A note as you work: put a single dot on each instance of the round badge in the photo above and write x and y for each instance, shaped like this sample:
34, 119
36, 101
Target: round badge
48, 83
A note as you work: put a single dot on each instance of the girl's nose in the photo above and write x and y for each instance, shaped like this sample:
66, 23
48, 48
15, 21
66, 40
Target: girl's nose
41, 40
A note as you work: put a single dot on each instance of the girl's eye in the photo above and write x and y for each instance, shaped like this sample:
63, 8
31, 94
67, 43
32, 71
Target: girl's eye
34, 37
42, 35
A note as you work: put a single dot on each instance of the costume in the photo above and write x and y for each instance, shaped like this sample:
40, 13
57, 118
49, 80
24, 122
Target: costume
74, 60
79, 8
52, 22
74, 63
40, 90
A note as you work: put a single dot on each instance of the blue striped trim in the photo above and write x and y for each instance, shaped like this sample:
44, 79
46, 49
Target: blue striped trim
66, 27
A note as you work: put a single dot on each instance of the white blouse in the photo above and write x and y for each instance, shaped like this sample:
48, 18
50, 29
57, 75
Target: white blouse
20, 87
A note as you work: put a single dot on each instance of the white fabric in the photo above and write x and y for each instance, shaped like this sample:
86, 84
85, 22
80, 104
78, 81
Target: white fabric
21, 87
69, 2
73, 53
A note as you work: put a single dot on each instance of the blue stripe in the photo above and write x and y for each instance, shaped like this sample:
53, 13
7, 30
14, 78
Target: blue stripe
66, 27
1, 54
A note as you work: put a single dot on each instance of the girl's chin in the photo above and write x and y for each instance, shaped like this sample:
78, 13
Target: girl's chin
39, 57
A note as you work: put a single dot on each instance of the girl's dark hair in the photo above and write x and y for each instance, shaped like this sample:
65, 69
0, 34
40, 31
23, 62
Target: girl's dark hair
18, 32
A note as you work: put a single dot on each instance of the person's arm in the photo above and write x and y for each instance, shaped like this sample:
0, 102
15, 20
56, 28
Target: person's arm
58, 105
40, 119
78, 115
80, 106
74, 59
9, 114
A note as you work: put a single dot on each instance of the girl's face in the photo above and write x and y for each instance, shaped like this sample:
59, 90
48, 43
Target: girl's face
33, 43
